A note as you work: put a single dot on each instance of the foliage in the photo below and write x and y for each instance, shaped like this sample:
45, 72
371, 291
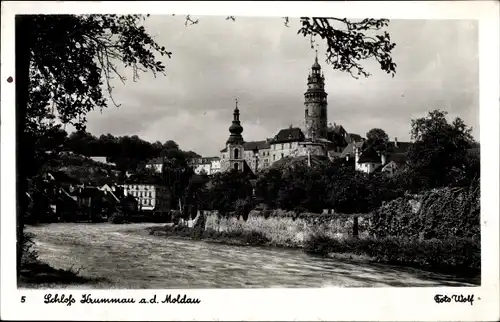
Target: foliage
330, 185
128, 152
242, 208
442, 213
224, 189
349, 42
72, 56
30, 254
62, 61
439, 153
251, 238
378, 139
456, 255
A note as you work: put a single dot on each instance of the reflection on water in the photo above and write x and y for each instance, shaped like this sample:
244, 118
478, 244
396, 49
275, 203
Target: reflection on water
130, 258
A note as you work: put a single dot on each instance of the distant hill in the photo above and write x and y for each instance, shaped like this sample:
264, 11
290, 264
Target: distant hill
86, 170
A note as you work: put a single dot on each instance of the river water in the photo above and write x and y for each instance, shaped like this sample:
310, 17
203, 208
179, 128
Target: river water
127, 257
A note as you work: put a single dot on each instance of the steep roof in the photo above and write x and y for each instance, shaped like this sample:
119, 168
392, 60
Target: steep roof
88, 192
349, 149
289, 135
338, 129
369, 155
398, 158
353, 137
399, 147
256, 145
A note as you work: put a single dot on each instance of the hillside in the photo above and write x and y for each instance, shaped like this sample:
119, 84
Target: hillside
86, 170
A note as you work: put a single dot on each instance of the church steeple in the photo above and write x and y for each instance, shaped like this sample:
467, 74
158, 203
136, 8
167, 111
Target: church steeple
235, 129
235, 143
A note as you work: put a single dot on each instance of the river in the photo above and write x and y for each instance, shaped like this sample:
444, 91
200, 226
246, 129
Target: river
128, 257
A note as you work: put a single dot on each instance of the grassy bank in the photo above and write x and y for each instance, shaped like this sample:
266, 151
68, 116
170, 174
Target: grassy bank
457, 256
39, 275
237, 238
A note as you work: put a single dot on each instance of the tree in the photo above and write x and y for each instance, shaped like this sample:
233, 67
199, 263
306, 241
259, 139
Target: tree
348, 42
170, 145
62, 61
378, 139
440, 151
225, 189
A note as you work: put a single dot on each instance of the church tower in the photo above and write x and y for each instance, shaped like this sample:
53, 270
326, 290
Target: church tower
316, 120
235, 142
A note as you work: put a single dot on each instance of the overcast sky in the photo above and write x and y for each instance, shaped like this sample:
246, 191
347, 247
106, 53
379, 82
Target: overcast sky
265, 65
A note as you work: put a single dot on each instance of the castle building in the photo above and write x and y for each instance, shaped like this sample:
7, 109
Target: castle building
315, 137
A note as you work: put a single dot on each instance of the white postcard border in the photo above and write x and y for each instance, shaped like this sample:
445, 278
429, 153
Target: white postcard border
382, 304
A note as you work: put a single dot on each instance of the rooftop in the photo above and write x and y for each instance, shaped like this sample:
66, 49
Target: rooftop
291, 134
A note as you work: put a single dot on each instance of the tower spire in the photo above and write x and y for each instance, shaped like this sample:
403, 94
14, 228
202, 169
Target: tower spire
235, 129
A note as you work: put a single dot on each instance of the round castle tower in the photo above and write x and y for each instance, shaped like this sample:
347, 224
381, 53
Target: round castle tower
316, 105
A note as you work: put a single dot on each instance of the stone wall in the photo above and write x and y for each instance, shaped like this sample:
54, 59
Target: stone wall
288, 228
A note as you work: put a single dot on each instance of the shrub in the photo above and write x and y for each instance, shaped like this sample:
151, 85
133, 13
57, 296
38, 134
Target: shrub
242, 208
440, 213
255, 238
452, 255
117, 219
30, 254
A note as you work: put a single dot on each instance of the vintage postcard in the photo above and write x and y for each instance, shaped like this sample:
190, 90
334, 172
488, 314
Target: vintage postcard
250, 161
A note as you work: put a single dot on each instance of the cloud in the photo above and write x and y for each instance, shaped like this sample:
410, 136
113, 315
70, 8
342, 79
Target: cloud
265, 65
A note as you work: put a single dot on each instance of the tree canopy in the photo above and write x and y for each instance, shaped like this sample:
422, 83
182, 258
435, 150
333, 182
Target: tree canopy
439, 154
378, 139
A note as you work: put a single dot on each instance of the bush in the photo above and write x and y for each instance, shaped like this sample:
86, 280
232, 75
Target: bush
452, 255
30, 254
240, 237
441, 213
117, 219
242, 208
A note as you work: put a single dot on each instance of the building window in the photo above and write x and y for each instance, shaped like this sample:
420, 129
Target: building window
290, 145
236, 166
282, 146
236, 153
274, 157
282, 155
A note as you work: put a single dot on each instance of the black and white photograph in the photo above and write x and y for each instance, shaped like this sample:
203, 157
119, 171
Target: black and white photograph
178, 150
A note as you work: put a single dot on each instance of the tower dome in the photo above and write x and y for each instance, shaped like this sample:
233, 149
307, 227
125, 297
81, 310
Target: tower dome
235, 129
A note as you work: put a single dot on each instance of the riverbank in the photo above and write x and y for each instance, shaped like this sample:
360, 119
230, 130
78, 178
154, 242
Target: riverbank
233, 238
40, 275
127, 257
456, 257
